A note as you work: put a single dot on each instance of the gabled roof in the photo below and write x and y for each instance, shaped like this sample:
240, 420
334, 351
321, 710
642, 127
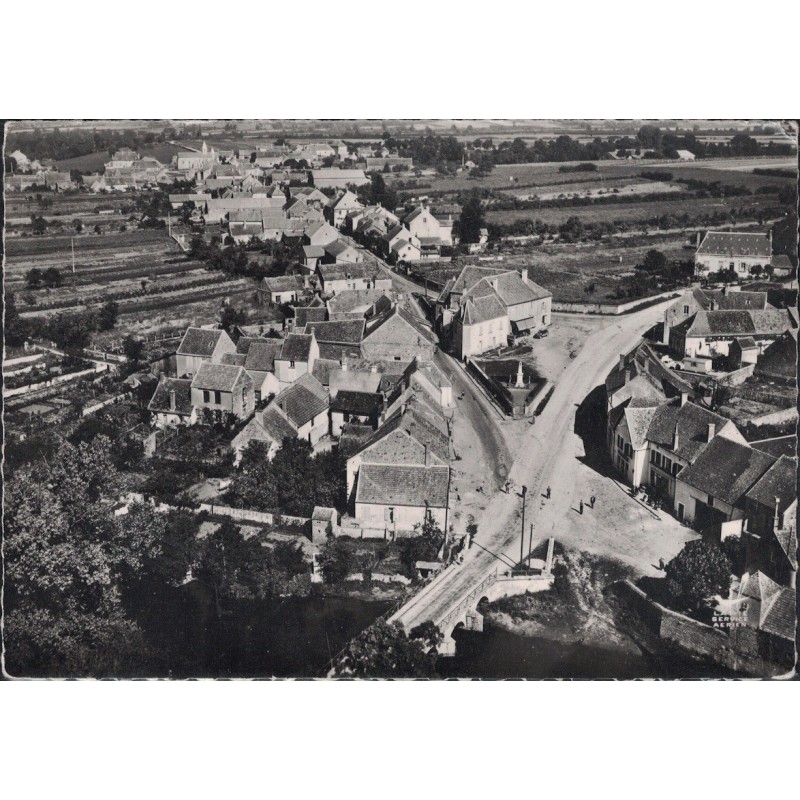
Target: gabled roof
346, 331
200, 341
275, 423
731, 301
648, 376
779, 481
692, 423
361, 269
303, 400
397, 325
779, 359
403, 438
296, 347
352, 300
323, 369
512, 289
482, 309
726, 470
236, 359
737, 323
183, 396
360, 403
736, 244
639, 416
403, 485
262, 354
305, 314
354, 380
470, 275
283, 283
218, 377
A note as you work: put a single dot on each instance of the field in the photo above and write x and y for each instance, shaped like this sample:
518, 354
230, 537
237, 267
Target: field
521, 176
634, 211
94, 162
156, 285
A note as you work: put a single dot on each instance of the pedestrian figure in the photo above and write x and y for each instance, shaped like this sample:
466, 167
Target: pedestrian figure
548, 492
581, 507
591, 501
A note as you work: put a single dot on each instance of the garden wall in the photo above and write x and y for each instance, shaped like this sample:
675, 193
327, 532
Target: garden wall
614, 309
495, 391
775, 417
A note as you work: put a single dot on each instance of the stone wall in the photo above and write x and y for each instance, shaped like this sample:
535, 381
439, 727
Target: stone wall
613, 309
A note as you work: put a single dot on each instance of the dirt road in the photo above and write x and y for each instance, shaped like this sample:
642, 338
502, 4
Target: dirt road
547, 456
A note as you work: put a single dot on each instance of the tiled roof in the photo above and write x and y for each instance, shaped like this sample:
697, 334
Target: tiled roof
353, 438
354, 300
639, 417
303, 400
275, 423
283, 283
779, 615
403, 485
787, 539
736, 244
296, 347
759, 586
305, 314
779, 359
482, 309
419, 428
361, 403
323, 368
512, 289
731, 301
262, 354
780, 481
244, 342
234, 359
362, 269
746, 343
469, 276
347, 331
398, 325
183, 396
778, 446
726, 470
200, 341
336, 248
218, 377
642, 362
692, 423
313, 251
354, 380
336, 351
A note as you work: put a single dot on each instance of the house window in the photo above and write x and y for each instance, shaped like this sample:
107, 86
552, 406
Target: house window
218, 398
544, 319
291, 364
391, 514
686, 309
710, 501
206, 396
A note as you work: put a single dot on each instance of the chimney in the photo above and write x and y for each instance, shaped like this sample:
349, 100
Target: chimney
725, 290
684, 398
524, 275
712, 429
622, 360
427, 457
777, 512
713, 305
627, 374
373, 368
699, 238
172, 404
675, 439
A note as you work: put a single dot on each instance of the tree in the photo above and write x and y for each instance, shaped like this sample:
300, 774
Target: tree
77, 224
51, 278
38, 225
107, 316
699, 571
336, 560
654, 261
33, 278
133, 348
231, 316
471, 220
424, 546
756, 270
385, 651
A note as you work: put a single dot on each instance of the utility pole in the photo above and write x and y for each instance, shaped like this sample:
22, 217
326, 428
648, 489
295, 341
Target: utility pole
72, 244
522, 534
530, 544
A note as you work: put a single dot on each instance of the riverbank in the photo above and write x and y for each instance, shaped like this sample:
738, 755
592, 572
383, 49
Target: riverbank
574, 611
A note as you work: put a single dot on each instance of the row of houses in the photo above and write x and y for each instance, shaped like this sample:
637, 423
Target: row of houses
702, 467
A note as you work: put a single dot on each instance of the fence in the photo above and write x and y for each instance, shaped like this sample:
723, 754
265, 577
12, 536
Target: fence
32, 387
614, 309
104, 403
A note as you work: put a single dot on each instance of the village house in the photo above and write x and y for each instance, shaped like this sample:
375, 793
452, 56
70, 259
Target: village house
696, 299
651, 443
280, 289
483, 307
397, 334
270, 426
710, 333
296, 358
223, 388
339, 207
363, 408
427, 232
171, 404
340, 252
771, 522
347, 276
305, 404
711, 492
778, 362
124, 157
258, 358
337, 338
359, 303
315, 311
319, 233
738, 252
200, 345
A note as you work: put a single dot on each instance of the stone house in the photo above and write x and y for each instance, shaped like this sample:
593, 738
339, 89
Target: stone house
201, 345
738, 252
223, 388
398, 335
171, 404
298, 353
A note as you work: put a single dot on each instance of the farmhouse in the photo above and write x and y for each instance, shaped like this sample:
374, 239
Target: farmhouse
339, 207
738, 252
223, 387
259, 360
305, 404
200, 345
171, 403
397, 334
344, 276
280, 289
297, 356
270, 426
710, 333
337, 338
